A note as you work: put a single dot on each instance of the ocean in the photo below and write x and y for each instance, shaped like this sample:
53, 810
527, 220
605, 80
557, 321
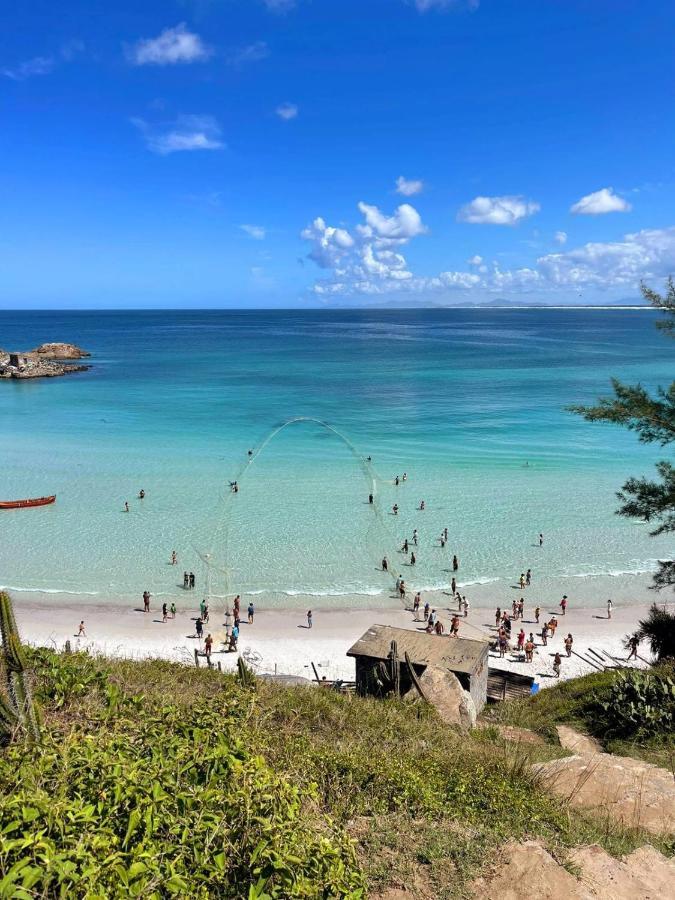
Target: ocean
470, 404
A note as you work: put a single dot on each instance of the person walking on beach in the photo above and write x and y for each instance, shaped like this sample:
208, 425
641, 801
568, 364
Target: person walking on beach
199, 628
235, 638
528, 577
202, 609
465, 603
536, 614
146, 601
208, 647
80, 630
205, 617
251, 612
552, 625
569, 640
439, 628
544, 635
173, 610
521, 639
633, 643
521, 607
309, 618
186, 581
609, 609
529, 651
165, 612
228, 626
498, 616
453, 585
426, 611
401, 590
455, 563
514, 608
432, 617
416, 605
454, 626
556, 665
502, 645
563, 605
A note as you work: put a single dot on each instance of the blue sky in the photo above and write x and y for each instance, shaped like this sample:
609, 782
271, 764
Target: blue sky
372, 152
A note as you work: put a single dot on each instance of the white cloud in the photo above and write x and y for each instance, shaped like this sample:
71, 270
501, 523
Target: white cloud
39, 65
249, 54
507, 210
560, 237
186, 133
257, 232
287, 111
368, 261
409, 187
600, 202
173, 45
330, 244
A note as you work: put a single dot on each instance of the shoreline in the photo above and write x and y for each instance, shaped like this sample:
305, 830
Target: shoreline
279, 641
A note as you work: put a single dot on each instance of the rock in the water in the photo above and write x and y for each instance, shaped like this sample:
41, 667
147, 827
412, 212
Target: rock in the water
453, 704
633, 793
60, 351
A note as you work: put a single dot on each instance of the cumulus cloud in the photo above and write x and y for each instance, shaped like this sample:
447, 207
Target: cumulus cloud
409, 187
173, 45
368, 261
257, 232
287, 111
560, 237
185, 133
599, 203
507, 210
250, 53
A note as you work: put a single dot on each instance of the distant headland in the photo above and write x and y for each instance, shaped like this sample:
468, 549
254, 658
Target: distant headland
46, 361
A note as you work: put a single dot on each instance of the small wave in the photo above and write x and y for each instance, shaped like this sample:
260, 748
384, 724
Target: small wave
34, 590
357, 592
478, 581
610, 573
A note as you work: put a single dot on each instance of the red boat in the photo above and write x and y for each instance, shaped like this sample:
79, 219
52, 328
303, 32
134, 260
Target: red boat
20, 504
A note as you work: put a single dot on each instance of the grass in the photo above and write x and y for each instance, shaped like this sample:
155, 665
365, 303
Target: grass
574, 702
421, 804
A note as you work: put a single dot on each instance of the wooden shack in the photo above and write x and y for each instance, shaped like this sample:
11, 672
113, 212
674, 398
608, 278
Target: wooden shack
464, 657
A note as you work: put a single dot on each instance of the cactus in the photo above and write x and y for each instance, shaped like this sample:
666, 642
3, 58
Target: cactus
245, 674
18, 707
389, 673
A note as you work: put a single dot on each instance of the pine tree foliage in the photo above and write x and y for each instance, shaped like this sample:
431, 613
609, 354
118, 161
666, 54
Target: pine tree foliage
652, 417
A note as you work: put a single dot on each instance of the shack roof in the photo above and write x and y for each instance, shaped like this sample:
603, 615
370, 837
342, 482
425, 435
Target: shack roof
453, 653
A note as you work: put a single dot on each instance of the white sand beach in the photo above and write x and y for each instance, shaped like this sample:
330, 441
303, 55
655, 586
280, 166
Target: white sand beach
279, 640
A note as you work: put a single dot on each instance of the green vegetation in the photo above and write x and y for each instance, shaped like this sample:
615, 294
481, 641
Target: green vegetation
17, 711
158, 780
653, 418
630, 712
659, 630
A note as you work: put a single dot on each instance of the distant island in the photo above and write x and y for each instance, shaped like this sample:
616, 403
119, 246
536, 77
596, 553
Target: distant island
46, 361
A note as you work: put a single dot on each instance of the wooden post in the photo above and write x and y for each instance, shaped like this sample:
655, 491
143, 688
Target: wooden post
316, 674
196, 657
220, 668
588, 662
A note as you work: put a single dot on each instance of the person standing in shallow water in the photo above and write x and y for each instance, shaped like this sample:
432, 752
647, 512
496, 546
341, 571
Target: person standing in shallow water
173, 610
165, 612
186, 581
455, 564
309, 618
251, 611
385, 564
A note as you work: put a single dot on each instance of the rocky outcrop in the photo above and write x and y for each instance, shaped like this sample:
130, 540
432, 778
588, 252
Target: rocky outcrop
47, 361
453, 704
633, 793
528, 868
576, 742
60, 351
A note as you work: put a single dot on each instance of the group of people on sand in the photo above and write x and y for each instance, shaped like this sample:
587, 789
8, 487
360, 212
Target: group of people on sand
526, 645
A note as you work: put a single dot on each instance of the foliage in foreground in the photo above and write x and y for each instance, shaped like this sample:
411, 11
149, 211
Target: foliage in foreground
159, 780
161, 800
18, 713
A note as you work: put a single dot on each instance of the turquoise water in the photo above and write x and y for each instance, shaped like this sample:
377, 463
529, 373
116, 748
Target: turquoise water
461, 400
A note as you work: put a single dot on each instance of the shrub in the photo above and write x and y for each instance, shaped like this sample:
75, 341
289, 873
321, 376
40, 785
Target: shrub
638, 704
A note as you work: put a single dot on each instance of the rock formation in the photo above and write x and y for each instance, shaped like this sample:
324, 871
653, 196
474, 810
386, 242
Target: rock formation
46, 361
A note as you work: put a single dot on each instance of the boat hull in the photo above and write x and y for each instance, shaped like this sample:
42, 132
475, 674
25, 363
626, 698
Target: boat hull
23, 504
